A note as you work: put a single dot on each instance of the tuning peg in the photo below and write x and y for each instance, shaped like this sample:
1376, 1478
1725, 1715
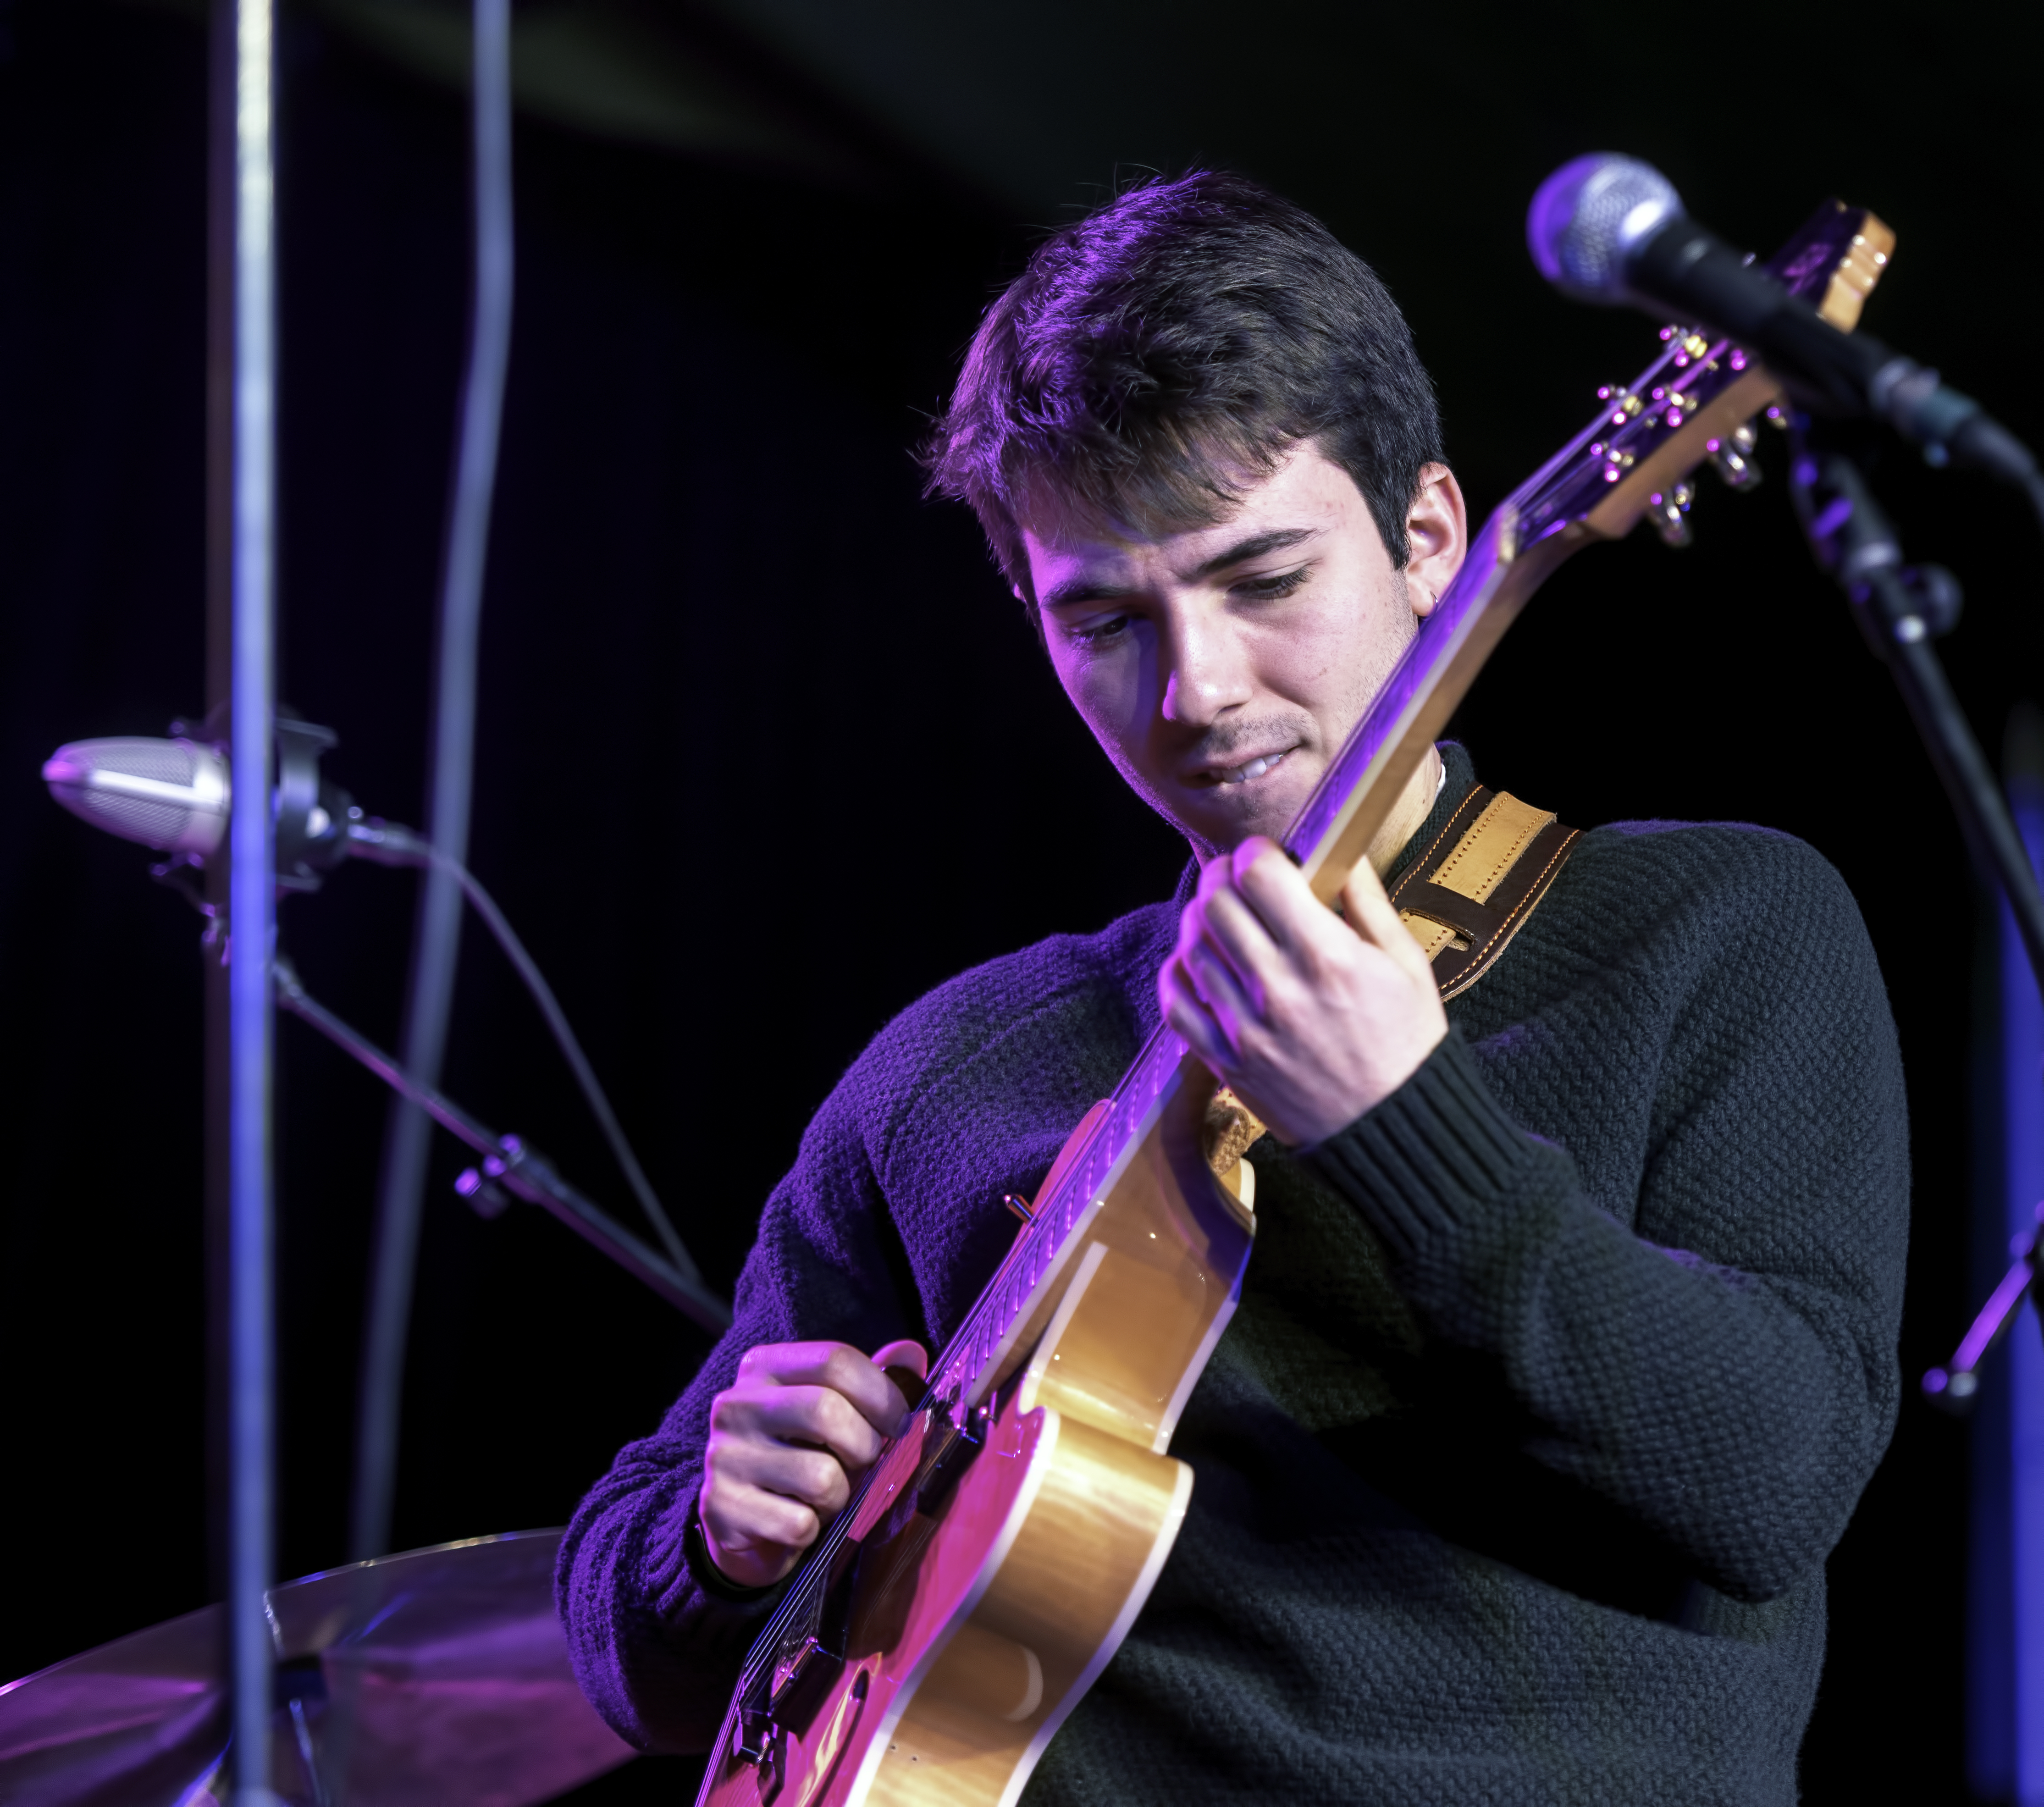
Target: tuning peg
1692, 348
1669, 510
1732, 458
1623, 403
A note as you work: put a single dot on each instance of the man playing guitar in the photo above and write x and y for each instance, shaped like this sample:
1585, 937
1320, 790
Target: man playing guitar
1569, 1340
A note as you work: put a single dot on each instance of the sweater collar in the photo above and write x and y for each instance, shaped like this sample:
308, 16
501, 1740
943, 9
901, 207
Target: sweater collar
1459, 781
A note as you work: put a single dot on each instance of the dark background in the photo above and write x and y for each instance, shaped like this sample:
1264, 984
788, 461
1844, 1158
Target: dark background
765, 748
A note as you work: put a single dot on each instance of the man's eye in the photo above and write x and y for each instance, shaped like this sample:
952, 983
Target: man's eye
1262, 589
1098, 633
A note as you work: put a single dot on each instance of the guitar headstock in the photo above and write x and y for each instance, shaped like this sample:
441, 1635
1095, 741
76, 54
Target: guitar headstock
1702, 399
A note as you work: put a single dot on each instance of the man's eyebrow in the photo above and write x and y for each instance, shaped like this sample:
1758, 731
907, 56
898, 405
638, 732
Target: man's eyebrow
1255, 547
1092, 589
1083, 590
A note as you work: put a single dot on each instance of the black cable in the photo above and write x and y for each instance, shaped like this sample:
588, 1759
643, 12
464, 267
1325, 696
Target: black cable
436, 943
392, 843
592, 1089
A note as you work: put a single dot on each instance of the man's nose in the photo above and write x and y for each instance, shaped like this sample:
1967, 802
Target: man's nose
1206, 673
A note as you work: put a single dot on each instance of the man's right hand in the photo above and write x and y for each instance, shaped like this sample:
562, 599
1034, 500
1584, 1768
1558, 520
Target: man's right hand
802, 1422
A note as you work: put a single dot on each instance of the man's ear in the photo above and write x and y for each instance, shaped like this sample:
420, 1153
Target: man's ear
1437, 531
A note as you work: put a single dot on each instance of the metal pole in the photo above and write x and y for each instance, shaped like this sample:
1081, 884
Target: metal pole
252, 918
2007, 1548
222, 190
437, 938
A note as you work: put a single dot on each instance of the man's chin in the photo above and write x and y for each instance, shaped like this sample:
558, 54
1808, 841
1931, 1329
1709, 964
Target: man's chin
1224, 823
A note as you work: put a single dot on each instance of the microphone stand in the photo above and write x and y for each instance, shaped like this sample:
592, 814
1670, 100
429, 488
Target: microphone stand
1900, 610
1951, 1388
507, 1163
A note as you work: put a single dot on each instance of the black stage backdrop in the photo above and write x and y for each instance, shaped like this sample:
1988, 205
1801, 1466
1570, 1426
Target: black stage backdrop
765, 748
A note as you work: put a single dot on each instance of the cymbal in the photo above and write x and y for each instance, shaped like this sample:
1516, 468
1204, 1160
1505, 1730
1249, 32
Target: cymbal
435, 1679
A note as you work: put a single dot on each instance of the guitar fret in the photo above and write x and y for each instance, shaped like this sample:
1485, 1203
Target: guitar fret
1058, 1214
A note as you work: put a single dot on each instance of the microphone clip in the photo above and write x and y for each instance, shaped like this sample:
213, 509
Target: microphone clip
312, 814
1896, 604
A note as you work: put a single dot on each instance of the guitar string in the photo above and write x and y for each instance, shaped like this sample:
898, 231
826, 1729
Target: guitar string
1160, 1057
804, 1596
1054, 1220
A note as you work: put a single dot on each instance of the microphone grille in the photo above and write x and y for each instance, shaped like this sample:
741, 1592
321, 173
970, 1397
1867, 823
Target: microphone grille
1589, 216
84, 777
133, 818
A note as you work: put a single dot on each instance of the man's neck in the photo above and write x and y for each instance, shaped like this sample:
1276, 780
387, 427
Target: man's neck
1411, 808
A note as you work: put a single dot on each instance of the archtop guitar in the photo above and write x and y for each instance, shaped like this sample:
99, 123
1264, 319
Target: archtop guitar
989, 1565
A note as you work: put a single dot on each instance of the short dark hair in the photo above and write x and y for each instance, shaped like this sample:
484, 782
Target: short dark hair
1157, 356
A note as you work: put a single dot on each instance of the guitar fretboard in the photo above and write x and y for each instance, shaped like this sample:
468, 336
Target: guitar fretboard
967, 1362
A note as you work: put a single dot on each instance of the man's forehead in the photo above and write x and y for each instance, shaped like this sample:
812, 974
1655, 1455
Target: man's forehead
1305, 496
1071, 539
1187, 556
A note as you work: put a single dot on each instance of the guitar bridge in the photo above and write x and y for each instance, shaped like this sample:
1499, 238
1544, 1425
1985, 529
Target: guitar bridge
756, 1735
802, 1680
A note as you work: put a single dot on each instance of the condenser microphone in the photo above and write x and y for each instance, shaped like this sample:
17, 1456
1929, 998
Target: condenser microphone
1611, 230
172, 795
175, 795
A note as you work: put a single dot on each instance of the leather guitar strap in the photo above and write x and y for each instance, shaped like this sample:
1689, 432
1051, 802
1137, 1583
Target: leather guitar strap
1463, 906
1484, 874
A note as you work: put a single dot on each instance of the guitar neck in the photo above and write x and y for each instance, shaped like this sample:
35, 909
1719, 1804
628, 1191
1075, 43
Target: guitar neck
1357, 792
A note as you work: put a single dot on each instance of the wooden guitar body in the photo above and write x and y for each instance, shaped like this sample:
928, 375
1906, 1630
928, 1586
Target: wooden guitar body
1005, 1542
991, 1564
957, 1676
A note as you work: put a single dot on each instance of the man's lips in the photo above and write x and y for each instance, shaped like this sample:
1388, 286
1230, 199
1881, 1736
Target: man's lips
1248, 771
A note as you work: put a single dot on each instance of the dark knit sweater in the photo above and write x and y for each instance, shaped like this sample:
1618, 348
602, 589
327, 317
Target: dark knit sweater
1554, 1379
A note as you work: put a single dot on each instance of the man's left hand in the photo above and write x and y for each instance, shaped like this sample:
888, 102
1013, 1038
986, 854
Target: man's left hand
1311, 1019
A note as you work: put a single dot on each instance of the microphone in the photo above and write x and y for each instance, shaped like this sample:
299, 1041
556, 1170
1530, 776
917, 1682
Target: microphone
1611, 230
175, 795
172, 795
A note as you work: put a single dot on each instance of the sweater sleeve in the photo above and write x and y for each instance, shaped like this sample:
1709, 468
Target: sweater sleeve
1715, 1358
656, 1651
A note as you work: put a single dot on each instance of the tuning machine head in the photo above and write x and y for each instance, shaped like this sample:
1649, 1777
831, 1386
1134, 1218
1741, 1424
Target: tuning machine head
1732, 457
1624, 405
1669, 510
